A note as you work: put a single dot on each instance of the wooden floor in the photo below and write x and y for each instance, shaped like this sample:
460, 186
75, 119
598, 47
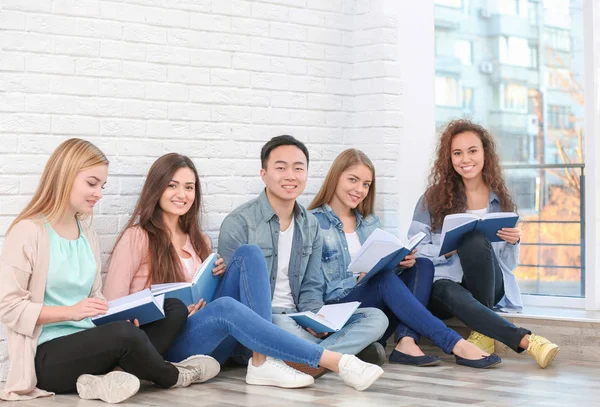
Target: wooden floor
516, 382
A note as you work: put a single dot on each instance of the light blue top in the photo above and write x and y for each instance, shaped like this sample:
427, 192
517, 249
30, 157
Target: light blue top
506, 253
335, 257
71, 274
256, 223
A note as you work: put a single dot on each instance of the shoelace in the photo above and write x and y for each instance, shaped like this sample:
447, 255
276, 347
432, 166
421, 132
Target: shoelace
356, 367
191, 373
282, 366
534, 344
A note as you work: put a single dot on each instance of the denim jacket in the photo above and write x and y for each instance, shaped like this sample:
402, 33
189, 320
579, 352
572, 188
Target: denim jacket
255, 222
506, 253
335, 257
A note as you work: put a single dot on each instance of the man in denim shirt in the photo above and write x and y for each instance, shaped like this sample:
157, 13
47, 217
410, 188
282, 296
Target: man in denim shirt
291, 242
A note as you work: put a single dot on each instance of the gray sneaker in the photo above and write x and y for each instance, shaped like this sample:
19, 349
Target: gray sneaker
196, 369
113, 387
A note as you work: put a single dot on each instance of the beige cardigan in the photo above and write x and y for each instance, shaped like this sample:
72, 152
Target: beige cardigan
23, 271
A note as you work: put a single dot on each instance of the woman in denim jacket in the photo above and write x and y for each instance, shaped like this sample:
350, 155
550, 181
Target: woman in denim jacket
344, 207
478, 277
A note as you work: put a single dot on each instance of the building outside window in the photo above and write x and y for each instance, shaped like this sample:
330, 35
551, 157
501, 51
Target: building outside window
447, 91
536, 115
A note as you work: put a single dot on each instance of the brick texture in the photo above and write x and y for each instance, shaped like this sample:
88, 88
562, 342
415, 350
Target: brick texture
210, 79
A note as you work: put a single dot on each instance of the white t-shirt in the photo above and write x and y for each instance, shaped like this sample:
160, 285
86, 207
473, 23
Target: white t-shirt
189, 265
282, 297
478, 212
353, 246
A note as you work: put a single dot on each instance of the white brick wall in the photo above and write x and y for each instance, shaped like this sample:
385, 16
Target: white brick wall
210, 79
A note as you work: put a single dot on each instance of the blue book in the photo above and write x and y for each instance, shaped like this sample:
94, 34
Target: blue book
330, 318
203, 285
143, 306
456, 226
381, 251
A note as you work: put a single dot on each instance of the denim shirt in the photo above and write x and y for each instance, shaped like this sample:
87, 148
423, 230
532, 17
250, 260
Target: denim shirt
506, 253
256, 223
336, 257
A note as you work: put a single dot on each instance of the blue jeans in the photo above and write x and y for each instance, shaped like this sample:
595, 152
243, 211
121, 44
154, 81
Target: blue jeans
419, 280
241, 313
386, 290
364, 327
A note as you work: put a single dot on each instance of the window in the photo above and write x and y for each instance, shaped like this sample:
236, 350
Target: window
513, 98
558, 78
532, 12
533, 56
557, 13
447, 91
514, 51
449, 3
467, 98
559, 117
525, 84
508, 7
558, 39
463, 51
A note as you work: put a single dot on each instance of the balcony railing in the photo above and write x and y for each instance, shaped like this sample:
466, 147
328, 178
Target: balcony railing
552, 258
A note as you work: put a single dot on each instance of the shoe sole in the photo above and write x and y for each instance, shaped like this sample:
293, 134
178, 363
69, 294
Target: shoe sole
255, 381
113, 388
433, 363
315, 372
374, 354
211, 366
549, 357
370, 381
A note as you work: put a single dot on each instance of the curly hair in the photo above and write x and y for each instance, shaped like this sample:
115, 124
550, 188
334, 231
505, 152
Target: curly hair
445, 193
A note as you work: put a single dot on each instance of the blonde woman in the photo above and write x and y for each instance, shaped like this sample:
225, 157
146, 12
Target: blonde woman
50, 287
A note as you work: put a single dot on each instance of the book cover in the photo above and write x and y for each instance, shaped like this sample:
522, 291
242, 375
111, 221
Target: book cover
143, 306
204, 285
456, 226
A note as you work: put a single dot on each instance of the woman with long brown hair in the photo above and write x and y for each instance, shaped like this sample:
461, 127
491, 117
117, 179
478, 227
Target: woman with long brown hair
478, 277
50, 287
163, 243
345, 207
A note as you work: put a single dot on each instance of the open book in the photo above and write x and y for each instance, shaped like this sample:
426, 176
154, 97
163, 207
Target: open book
334, 317
203, 285
382, 251
143, 306
459, 224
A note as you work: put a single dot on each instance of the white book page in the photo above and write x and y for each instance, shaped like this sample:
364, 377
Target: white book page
378, 245
412, 243
165, 288
210, 260
455, 220
496, 215
129, 301
337, 314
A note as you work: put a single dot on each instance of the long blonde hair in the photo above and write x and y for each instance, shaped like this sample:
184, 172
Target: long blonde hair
346, 159
52, 196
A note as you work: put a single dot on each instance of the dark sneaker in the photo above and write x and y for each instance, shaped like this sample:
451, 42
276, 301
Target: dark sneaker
374, 354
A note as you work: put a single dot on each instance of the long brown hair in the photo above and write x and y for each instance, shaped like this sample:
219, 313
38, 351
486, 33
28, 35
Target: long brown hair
53, 194
346, 159
165, 265
446, 191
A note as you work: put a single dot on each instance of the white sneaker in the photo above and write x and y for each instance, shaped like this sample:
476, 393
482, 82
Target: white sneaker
196, 369
358, 374
275, 372
113, 387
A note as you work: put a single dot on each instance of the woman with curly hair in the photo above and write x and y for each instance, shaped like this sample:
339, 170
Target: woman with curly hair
471, 282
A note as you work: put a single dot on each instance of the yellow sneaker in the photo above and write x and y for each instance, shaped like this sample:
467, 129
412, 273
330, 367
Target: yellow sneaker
542, 350
483, 342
